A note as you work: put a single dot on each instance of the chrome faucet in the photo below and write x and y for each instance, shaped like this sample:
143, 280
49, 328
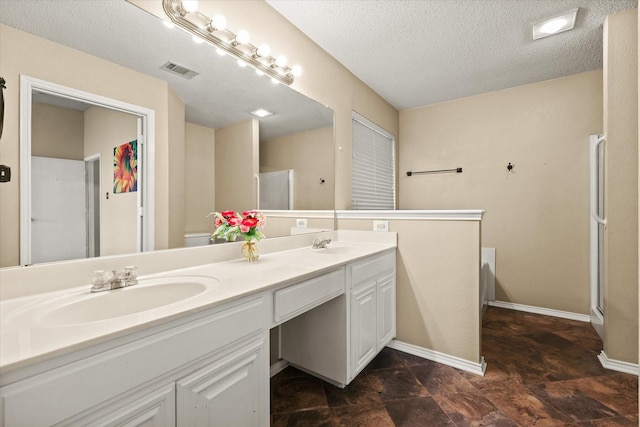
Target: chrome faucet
105, 281
320, 243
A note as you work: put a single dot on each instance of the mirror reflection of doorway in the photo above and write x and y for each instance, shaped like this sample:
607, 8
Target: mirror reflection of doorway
70, 208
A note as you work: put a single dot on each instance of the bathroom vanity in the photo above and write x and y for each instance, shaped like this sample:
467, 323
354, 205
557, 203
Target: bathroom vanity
202, 356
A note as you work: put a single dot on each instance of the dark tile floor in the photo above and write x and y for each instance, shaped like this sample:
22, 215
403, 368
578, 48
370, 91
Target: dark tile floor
542, 371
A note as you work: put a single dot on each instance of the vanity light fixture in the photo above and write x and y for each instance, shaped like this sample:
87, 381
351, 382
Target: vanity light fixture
556, 24
185, 14
261, 112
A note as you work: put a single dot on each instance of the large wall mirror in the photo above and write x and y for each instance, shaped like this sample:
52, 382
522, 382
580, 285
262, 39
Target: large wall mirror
290, 167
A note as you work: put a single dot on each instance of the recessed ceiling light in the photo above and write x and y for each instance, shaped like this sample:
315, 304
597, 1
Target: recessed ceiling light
261, 112
555, 24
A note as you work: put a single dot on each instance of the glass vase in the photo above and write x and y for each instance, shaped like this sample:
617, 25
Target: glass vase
250, 251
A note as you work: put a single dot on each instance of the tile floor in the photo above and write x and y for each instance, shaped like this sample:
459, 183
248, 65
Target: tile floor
542, 371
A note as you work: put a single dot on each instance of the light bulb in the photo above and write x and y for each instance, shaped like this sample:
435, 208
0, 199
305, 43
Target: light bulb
169, 24
263, 50
281, 61
242, 37
259, 72
296, 70
274, 81
190, 6
219, 22
220, 52
197, 39
553, 26
242, 63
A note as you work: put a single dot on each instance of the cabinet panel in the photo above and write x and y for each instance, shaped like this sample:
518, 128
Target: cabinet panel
148, 408
231, 391
363, 326
386, 310
317, 341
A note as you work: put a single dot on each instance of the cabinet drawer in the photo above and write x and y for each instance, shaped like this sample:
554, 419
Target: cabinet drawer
296, 299
372, 267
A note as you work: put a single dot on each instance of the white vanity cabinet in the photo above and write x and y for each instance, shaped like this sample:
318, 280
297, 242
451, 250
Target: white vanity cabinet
205, 366
337, 339
203, 362
373, 308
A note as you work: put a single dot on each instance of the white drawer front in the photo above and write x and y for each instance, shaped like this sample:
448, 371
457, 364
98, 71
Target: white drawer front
296, 299
372, 267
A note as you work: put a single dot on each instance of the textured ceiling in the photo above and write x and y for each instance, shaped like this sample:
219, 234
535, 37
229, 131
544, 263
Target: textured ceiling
115, 30
420, 52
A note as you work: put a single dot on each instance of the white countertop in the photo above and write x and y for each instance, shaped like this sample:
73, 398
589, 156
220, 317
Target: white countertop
27, 336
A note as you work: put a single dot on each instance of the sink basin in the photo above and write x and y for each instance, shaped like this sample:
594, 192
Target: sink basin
148, 294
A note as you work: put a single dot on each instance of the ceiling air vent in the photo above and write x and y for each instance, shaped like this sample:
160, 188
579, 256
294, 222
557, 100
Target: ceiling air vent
179, 70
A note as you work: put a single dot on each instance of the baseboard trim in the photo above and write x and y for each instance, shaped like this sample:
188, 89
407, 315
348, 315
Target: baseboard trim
618, 365
542, 310
436, 356
278, 367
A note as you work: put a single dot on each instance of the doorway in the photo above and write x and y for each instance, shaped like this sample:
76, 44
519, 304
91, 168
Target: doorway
143, 214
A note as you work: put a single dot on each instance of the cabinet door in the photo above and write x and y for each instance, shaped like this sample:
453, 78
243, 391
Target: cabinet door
363, 326
231, 391
149, 408
386, 310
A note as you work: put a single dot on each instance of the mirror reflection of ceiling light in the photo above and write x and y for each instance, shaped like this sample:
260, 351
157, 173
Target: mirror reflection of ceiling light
556, 24
261, 112
185, 14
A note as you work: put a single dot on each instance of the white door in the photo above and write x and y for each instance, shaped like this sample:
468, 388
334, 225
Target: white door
386, 310
58, 216
230, 392
597, 230
276, 190
363, 325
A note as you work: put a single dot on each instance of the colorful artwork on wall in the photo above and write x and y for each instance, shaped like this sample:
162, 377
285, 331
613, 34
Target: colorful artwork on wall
125, 167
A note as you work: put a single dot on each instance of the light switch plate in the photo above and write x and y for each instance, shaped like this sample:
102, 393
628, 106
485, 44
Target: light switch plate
380, 225
301, 222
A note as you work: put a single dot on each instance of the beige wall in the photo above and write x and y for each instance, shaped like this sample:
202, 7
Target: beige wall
200, 195
621, 193
537, 215
437, 284
175, 170
310, 155
281, 226
57, 132
236, 159
104, 130
22, 53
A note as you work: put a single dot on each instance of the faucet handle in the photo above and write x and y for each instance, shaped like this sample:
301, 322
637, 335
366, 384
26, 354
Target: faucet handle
100, 280
131, 275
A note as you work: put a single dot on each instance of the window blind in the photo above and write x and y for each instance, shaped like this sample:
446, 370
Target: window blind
373, 171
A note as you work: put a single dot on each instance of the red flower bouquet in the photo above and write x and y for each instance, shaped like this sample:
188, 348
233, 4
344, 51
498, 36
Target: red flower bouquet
230, 225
